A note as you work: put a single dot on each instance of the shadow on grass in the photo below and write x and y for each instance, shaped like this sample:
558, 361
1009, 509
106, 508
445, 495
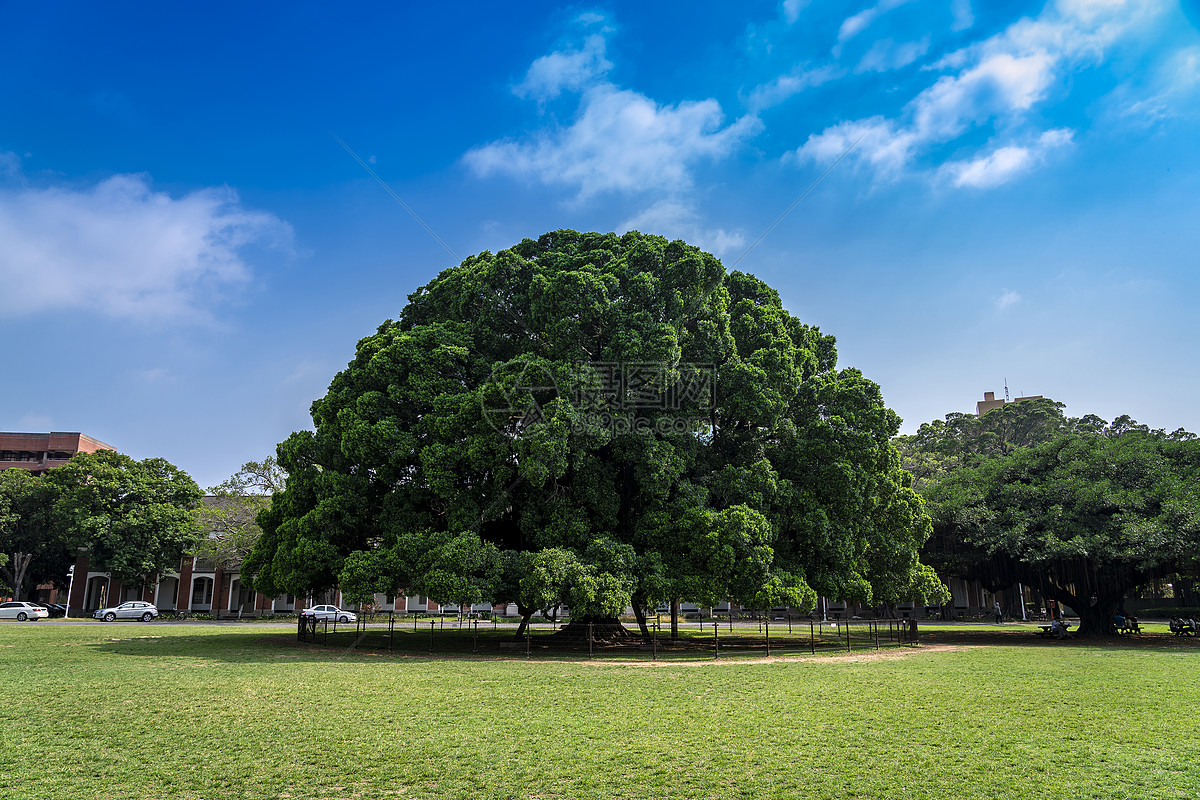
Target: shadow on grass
257, 646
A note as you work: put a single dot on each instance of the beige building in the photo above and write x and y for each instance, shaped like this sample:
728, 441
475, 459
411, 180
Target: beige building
990, 402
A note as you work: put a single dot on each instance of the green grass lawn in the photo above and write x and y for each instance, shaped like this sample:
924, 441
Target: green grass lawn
134, 711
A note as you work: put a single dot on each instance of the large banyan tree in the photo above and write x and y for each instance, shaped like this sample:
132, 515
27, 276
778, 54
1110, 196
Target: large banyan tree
596, 421
1083, 510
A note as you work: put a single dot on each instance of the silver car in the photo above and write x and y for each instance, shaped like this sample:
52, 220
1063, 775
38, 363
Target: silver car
22, 611
330, 613
134, 609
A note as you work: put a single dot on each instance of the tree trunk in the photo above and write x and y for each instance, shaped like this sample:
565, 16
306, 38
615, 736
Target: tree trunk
602, 630
525, 613
1096, 620
640, 615
15, 573
674, 619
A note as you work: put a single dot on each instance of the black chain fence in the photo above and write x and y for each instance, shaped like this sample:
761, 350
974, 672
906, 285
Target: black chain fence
715, 639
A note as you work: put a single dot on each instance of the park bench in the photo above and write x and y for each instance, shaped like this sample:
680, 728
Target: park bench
1130, 626
1182, 628
1047, 630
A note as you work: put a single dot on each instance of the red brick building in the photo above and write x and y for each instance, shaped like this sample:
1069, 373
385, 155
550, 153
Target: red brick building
38, 452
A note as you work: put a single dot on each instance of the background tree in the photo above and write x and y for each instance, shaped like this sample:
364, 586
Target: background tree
134, 517
228, 515
621, 420
33, 549
1083, 511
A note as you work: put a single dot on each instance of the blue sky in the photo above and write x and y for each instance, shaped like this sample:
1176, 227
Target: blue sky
188, 255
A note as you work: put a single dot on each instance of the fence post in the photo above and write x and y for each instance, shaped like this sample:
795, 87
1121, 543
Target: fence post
716, 644
391, 629
589, 640
875, 625
768, 638
847, 636
475, 637
812, 638
527, 627
431, 625
655, 646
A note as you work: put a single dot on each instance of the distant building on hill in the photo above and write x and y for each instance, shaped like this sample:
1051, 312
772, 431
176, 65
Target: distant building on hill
38, 452
990, 402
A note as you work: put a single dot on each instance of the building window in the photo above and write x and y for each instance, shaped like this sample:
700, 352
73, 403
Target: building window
202, 591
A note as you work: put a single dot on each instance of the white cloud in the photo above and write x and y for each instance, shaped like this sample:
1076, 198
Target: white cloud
121, 249
678, 219
619, 140
1172, 92
887, 55
622, 141
572, 70
876, 140
1006, 299
856, 24
997, 81
10, 165
792, 9
1004, 163
960, 10
785, 86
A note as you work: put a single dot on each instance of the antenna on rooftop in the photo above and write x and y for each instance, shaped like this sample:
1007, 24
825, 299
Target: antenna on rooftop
1007, 399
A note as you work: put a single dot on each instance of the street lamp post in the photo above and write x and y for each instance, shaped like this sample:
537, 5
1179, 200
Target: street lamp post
70, 584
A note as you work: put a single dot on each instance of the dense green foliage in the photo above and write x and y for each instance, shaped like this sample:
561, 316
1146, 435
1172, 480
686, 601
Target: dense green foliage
595, 420
228, 515
1082, 510
31, 549
133, 517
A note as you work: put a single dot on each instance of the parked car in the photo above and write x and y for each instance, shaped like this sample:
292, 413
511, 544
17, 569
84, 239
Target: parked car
22, 611
55, 609
134, 609
332, 613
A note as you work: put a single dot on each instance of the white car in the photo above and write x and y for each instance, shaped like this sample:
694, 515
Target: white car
132, 610
332, 613
22, 611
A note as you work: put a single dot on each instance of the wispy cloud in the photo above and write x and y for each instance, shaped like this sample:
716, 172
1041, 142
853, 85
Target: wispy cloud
1007, 298
787, 86
1003, 163
678, 219
857, 23
791, 10
1172, 92
121, 249
997, 81
964, 18
887, 54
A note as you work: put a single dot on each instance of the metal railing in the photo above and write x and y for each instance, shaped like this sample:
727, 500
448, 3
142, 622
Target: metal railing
749, 636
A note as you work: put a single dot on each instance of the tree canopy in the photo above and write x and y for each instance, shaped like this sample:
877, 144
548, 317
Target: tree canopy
228, 515
32, 550
596, 420
1083, 510
134, 517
